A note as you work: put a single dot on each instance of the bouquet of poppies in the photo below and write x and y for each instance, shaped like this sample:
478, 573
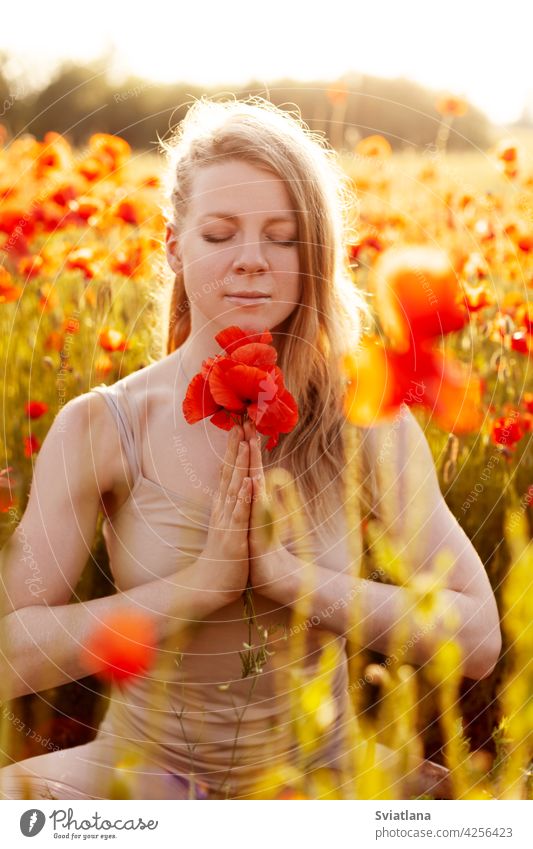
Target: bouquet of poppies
243, 382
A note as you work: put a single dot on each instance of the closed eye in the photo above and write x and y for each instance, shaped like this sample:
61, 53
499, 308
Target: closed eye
287, 244
214, 239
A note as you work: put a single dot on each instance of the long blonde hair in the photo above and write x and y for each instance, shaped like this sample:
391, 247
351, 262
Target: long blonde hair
329, 319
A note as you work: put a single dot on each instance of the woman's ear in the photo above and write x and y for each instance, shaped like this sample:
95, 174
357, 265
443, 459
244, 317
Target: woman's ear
173, 248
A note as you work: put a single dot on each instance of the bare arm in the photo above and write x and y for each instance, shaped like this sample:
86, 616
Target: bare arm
382, 607
41, 634
43, 643
420, 524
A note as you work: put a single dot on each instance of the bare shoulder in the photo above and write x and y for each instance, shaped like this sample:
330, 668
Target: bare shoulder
150, 385
85, 420
400, 462
398, 447
152, 393
116, 477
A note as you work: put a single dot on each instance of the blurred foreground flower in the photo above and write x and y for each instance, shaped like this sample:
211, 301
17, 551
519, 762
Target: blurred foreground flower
124, 642
418, 299
418, 296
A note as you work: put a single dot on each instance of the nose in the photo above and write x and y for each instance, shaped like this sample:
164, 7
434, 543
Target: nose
250, 258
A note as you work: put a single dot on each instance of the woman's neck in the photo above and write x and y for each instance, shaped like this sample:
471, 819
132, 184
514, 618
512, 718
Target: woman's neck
199, 346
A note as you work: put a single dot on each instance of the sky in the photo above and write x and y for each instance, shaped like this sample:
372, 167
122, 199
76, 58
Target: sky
478, 49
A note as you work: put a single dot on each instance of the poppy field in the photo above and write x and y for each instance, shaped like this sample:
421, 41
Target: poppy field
444, 248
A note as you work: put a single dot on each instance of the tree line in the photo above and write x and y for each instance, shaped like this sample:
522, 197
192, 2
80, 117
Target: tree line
81, 99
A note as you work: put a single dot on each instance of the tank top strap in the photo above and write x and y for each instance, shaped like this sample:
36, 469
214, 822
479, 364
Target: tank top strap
126, 416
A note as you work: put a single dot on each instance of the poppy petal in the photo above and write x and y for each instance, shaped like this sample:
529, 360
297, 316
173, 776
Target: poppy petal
236, 386
207, 365
233, 337
198, 402
418, 295
452, 395
223, 420
372, 393
256, 354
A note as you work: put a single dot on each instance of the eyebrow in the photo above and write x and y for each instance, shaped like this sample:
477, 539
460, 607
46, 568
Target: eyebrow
232, 217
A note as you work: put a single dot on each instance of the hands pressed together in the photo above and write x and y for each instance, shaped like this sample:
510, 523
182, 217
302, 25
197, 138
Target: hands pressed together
237, 538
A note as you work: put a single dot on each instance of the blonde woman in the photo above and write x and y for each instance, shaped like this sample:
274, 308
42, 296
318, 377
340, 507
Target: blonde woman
257, 219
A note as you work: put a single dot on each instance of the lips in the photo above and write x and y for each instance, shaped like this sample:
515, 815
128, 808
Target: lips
252, 294
247, 300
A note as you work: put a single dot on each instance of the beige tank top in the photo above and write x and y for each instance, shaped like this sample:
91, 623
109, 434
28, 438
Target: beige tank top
192, 710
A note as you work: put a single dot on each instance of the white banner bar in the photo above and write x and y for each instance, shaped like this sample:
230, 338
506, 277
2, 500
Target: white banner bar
250, 825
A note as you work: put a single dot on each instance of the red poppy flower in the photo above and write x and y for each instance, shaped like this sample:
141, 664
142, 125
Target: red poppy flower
524, 317
83, 259
30, 266
12, 218
527, 400
9, 293
380, 380
375, 146
129, 261
113, 340
35, 409
64, 194
103, 365
127, 211
418, 296
527, 422
54, 341
506, 150
451, 395
476, 297
520, 342
110, 148
31, 445
368, 242
84, 209
451, 105
244, 383
7, 489
92, 168
124, 643
507, 430
71, 325
374, 390
337, 93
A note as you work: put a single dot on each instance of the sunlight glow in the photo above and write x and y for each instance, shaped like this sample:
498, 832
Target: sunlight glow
476, 49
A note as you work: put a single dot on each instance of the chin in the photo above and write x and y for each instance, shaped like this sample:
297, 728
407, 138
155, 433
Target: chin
247, 323
256, 323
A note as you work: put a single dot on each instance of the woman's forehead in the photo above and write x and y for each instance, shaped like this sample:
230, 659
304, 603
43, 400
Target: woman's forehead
235, 188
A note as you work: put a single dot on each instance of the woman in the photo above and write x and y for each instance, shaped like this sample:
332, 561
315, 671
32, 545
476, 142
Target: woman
257, 218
